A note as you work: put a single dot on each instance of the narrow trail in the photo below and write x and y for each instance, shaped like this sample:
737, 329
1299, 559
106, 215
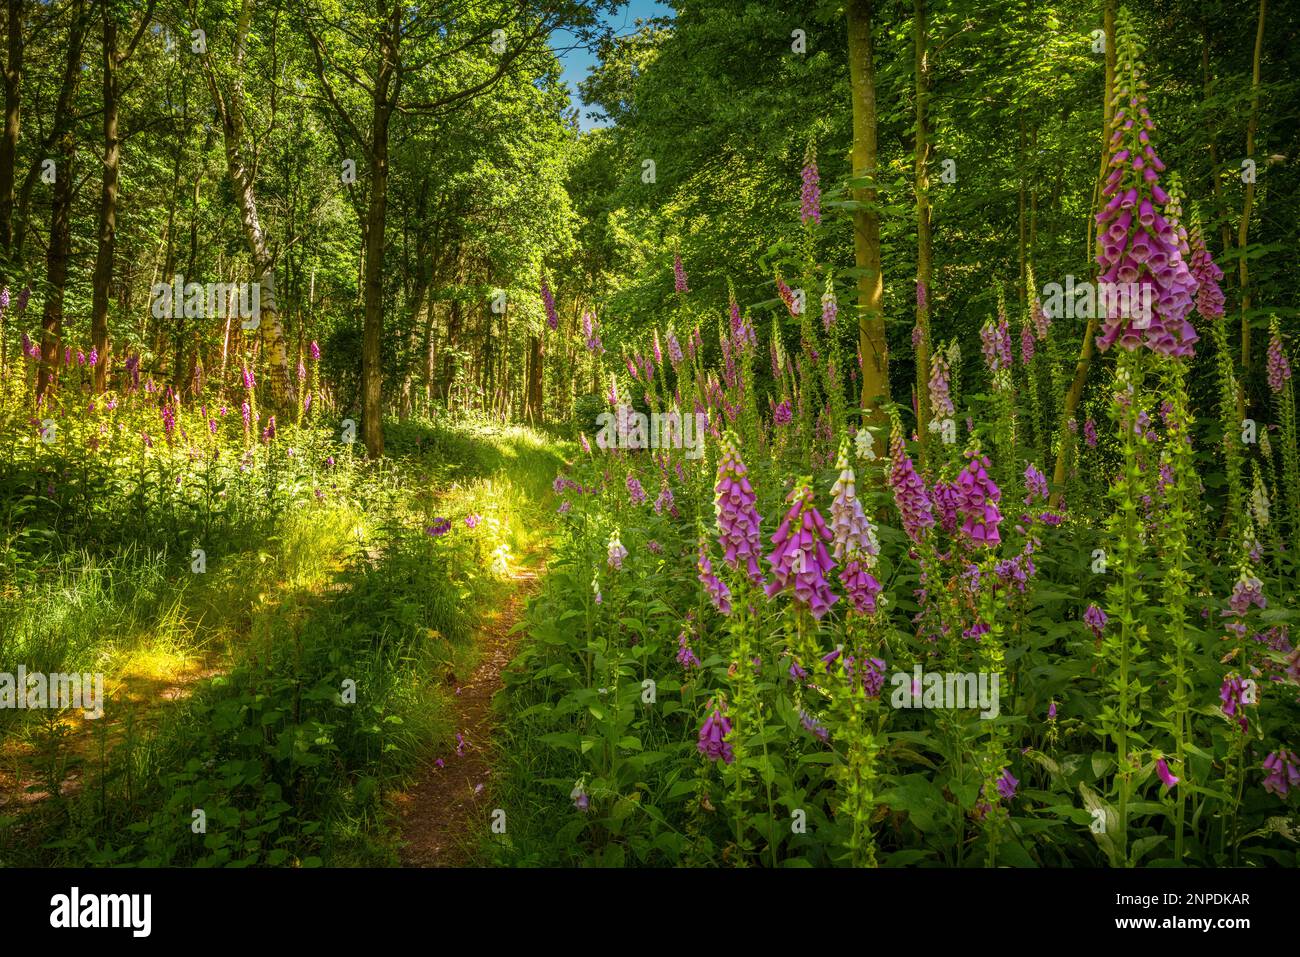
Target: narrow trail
447, 807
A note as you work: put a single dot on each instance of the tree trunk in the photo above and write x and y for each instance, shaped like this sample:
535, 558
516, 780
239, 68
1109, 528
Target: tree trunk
1075, 392
1244, 228
533, 397
866, 216
13, 78
1033, 201
372, 425
231, 110
429, 353
60, 247
56, 265
103, 274
182, 330
448, 350
924, 246
1221, 204
1022, 212
169, 255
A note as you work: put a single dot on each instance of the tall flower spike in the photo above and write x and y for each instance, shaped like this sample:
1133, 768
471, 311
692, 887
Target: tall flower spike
864, 447
940, 392
850, 527
1038, 313
674, 350
977, 501
1035, 484
664, 501
733, 309
1279, 369
1143, 270
1283, 769
1095, 619
548, 301
782, 414
739, 534
1027, 342
861, 586
1209, 297
995, 343
679, 274
810, 196
615, 552
830, 306
718, 591
590, 332
909, 490
635, 493
712, 739
1259, 504
800, 560
787, 295
1174, 216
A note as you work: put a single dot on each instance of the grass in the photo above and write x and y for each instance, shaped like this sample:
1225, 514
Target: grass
239, 673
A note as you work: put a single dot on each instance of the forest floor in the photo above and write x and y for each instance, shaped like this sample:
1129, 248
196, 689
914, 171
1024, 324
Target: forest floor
134, 699
448, 807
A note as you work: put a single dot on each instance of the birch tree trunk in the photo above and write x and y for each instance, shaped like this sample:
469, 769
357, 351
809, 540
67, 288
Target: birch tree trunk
230, 108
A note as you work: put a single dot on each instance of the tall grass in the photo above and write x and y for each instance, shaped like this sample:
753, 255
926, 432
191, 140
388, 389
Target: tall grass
231, 691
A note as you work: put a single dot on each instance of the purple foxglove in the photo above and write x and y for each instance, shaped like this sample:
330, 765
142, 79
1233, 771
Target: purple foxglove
800, 561
739, 534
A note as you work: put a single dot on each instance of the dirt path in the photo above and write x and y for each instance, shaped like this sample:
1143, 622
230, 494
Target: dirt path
445, 810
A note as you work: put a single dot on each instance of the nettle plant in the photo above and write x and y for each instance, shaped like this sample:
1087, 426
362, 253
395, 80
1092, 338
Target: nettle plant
727, 670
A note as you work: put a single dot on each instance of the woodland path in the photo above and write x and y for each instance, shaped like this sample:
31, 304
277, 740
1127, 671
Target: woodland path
447, 807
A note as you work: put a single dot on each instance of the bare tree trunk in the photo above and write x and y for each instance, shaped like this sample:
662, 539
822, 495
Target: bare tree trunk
1033, 203
429, 352
1244, 228
56, 267
231, 110
1221, 204
455, 324
533, 396
13, 78
169, 256
1075, 392
180, 369
372, 425
924, 245
103, 274
60, 247
866, 217
1022, 211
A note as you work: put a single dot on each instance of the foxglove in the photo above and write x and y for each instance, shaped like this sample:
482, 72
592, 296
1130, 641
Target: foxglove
739, 535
